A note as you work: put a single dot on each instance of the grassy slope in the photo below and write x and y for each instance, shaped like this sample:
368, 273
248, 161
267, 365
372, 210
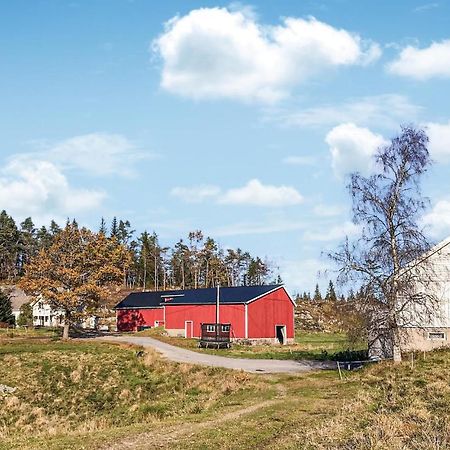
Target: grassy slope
308, 345
383, 407
83, 386
85, 395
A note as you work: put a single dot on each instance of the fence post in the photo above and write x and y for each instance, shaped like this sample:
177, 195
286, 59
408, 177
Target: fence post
339, 369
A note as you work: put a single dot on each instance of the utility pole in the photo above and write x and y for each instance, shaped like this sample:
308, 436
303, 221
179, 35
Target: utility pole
217, 303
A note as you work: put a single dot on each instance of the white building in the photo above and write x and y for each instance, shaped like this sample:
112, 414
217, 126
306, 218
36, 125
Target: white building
46, 316
426, 322
424, 330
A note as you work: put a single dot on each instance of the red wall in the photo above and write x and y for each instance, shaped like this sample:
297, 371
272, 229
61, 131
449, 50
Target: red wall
272, 309
263, 315
130, 319
176, 315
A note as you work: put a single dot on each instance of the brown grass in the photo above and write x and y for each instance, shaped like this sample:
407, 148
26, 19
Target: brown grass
83, 387
397, 407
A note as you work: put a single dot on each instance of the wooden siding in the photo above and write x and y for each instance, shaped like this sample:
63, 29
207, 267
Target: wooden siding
176, 315
131, 319
270, 310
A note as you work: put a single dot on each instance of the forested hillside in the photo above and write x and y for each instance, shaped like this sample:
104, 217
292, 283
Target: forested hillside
194, 262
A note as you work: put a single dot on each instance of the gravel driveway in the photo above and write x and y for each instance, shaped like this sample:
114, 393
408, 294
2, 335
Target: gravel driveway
182, 355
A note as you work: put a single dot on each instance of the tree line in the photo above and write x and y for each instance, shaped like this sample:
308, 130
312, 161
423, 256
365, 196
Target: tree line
331, 295
197, 261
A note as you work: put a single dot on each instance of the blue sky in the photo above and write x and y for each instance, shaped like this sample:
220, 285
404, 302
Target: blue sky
239, 119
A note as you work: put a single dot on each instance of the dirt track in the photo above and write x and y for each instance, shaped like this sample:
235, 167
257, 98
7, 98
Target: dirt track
182, 355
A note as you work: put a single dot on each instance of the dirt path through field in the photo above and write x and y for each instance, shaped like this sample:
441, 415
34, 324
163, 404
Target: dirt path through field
182, 355
163, 437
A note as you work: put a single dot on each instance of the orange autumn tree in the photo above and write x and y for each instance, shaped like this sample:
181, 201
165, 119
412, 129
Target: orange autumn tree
76, 273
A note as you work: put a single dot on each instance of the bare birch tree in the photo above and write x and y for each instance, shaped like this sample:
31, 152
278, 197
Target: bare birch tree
387, 205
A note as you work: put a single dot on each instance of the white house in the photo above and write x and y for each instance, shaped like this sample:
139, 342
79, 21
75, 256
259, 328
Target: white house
425, 323
46, 316
422, 330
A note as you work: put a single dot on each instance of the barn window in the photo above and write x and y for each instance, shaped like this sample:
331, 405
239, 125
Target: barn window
210, 328
225, 328
436, 335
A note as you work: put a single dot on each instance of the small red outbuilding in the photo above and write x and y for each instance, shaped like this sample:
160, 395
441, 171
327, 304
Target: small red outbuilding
254, 312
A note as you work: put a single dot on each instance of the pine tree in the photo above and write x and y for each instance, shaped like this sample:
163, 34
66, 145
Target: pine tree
331, 294
114, 228
351, 296
54, 228
317, 295
102, 229
9, 246
5, 309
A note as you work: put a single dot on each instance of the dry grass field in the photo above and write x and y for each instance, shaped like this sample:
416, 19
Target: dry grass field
89, 395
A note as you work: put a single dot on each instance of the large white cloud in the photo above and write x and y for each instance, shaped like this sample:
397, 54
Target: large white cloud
352, 148
423, 63
39, 189
258, 194
439, 145
97, 153
217, 53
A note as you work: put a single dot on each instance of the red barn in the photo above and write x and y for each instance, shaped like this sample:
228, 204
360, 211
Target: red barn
254, 312
139, 309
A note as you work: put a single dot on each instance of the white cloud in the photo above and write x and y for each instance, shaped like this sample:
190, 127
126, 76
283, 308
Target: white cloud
258, 194
439, 145
299, 160
195, 194
437, 221
352, 148
303, 274
423, 63
386, 110
38, 188
267, 227
96, 153
322, 210
332, 233
425, 7
218, 53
